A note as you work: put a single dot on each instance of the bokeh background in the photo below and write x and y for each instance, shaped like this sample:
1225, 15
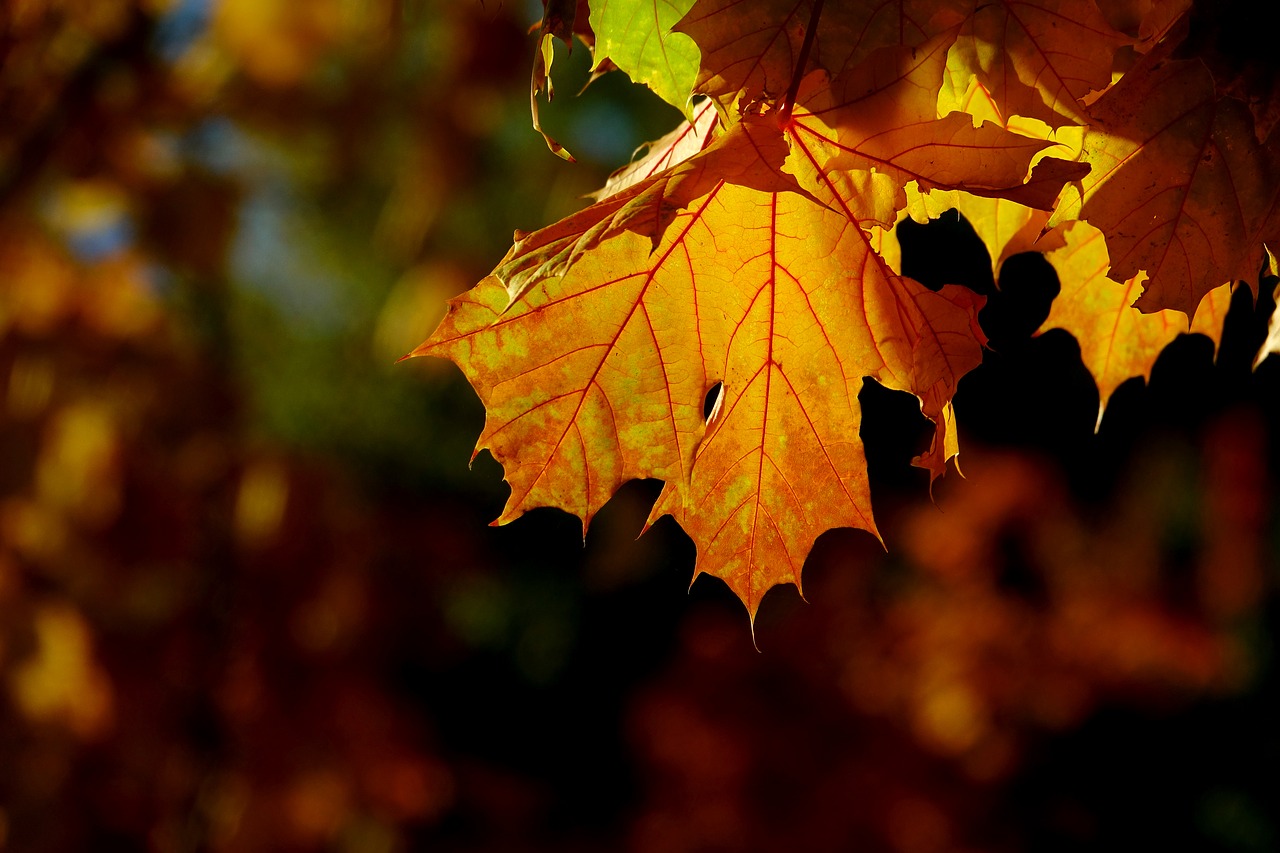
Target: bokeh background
250, 600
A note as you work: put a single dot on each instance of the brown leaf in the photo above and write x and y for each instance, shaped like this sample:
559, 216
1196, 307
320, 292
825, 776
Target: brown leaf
1180, 185
559, 21
753, 48
882, 117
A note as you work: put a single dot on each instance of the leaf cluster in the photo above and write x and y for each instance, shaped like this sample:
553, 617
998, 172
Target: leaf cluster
710, 320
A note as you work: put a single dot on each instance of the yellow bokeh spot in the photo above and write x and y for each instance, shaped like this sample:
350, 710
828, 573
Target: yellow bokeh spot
950, 717
88, 205
78, 470
61, 683
261, 502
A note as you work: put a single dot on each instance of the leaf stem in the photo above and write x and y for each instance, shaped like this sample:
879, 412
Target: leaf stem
790, 100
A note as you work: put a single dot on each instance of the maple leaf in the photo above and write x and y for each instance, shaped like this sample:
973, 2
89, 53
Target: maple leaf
756, 53
753, 47
1036, 58
882, 116
666, 61
1180, 185
1003, 225
1117, 341
744, 264
594, 370
647, 207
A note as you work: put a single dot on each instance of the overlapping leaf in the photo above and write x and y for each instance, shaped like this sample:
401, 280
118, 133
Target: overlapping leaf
594, 365
744, 155
882, 117
1037, 58
747, 47
753, 47
1180, 185
665, 61
1003, 225
1117, 341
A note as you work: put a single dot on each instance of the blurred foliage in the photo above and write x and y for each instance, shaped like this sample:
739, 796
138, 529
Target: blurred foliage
249, 601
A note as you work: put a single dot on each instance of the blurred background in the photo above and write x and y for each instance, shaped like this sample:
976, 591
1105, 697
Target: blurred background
250, 600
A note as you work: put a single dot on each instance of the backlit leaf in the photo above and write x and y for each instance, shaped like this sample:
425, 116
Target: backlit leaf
665, 61
747, 155
597, 373
882, 116
1037, 58
747, 47
1004, 226
1180, 185
676, 147
710, 319
753, 47
1117, 341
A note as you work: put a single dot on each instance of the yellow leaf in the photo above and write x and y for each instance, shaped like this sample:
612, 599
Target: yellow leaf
1117, 341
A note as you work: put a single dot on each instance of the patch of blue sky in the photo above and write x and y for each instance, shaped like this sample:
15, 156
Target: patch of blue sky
604, 132
271, 257
179, 28
218, 145
101, 239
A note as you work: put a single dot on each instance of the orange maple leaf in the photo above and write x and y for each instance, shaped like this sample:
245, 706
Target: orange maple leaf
1004, 226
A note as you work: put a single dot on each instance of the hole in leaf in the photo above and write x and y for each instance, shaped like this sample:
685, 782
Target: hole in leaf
712, 402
